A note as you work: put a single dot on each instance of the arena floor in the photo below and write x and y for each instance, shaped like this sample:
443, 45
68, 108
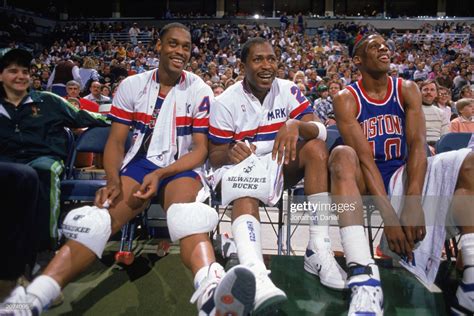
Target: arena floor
163, 286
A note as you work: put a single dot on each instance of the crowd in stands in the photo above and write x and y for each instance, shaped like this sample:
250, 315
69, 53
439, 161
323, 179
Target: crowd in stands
319, 63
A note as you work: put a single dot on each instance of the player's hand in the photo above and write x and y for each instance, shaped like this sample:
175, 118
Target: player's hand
285, 141
108, 194
396, 238
412, 220
240, 151
149, 187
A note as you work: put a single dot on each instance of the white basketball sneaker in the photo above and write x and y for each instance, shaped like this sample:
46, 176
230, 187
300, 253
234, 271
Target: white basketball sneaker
21, 303
464, 302
367, 295
323, 264
267, 295
231, 293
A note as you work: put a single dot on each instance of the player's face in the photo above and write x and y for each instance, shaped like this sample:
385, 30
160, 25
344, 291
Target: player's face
376, 54
429, 93
175, 50
15, 78
261, 67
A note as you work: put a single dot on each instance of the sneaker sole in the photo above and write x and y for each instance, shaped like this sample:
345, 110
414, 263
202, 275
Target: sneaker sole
235, 294
333, 286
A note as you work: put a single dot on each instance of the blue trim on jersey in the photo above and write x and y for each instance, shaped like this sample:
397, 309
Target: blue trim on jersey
204, 130
308, 110
265, 137
184, 130
219, 140
118, 120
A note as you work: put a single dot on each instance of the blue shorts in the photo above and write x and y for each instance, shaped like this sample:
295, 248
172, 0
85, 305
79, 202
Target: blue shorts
139, 167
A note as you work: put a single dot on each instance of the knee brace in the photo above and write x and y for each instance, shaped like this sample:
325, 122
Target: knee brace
185, 219
90, 226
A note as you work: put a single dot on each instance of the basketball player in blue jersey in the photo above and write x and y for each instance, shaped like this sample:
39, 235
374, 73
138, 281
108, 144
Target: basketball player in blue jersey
382, 125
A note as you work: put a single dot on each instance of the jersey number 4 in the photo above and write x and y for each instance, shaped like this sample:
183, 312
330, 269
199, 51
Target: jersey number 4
204, 106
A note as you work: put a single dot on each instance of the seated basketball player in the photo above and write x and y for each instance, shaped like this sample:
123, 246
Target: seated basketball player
272, 113
381, 122
169, 109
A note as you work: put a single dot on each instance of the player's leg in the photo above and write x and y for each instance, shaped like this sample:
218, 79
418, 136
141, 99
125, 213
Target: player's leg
74, 257
364, 278
247, 236
312, 163
463, 212
216, 292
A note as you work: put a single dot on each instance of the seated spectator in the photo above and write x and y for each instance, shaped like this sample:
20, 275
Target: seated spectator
436, 123
464, 123
72, 90
31, 129
36, 85
443, 101
217, 88
95, 94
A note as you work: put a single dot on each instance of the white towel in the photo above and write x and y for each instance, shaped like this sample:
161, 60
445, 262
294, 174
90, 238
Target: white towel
163, 140
440, 182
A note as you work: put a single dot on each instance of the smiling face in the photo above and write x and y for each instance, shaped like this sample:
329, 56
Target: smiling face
175, 50
15, 79
260, 68
373, 55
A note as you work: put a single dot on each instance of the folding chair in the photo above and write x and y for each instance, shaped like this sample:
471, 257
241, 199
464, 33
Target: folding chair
215, 201
453, 141
77, 190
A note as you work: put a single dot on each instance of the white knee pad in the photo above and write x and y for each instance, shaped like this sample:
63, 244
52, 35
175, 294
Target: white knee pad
186, 219
90, 226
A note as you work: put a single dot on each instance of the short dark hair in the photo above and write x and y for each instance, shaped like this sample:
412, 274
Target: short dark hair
16, 56
246, 48
170, 26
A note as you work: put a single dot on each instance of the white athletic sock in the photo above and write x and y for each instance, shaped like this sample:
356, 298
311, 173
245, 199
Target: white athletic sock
215, 270
246, 232
319, 224
45, 288
467, 248
356, 250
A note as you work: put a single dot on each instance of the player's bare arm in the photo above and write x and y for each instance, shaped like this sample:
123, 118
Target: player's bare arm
288, 134
226, 154
412, 217
345, 111
113, 157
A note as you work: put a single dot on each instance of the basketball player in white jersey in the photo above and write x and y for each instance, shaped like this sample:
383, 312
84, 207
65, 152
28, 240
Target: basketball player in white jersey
272, 113
169, 109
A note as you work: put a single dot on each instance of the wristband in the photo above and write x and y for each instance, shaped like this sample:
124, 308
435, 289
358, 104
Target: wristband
322, 133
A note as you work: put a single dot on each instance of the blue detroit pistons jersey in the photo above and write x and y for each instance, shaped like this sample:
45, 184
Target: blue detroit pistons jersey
383, 123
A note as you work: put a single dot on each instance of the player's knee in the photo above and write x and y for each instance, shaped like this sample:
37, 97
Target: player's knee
342, 162
315, 150
90, 226
185, 219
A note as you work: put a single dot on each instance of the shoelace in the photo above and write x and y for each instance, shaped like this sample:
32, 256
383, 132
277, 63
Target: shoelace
203, 288
365, 297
